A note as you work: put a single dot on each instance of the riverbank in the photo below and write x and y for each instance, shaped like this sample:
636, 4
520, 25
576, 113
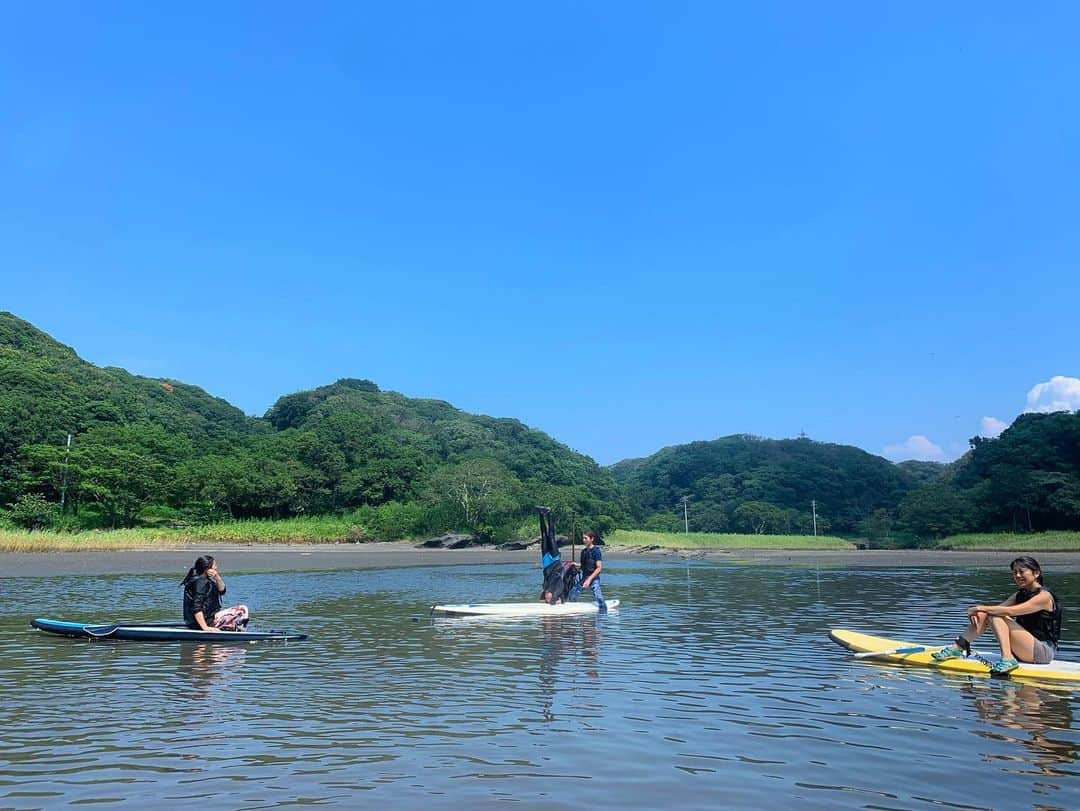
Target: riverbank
236, 559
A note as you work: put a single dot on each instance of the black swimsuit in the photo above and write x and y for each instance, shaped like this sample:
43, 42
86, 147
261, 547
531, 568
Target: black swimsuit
1045, 626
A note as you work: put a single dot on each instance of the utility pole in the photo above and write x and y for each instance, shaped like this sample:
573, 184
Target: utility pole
63, 481
685, 515
813, 507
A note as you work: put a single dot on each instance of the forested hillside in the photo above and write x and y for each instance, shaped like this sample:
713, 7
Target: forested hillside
748, 484
145, 449
151, 450
123, 426
1027, 479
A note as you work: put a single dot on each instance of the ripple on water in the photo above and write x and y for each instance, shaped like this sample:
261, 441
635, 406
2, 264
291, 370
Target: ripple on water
714, 686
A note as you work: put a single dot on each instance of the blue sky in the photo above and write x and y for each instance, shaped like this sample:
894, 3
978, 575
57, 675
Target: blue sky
629, 225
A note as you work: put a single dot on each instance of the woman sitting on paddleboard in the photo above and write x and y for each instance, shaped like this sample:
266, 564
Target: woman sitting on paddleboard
203, 588
1027, 625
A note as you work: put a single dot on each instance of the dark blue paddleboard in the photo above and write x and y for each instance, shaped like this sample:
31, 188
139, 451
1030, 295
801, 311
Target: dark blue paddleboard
160, 632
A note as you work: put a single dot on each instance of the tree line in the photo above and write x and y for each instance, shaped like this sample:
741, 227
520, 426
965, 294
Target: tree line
1026, 480
147, 450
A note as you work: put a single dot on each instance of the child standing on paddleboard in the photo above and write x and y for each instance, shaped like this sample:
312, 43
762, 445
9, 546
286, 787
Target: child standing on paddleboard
592, 561
1027, 625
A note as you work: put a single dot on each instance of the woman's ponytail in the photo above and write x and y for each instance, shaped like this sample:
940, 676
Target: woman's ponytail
201, 565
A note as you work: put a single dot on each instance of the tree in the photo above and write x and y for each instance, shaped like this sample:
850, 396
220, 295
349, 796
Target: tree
663, 522
877, 526
32, 511
480, 493
708, 516
226, 482
760, 518
934, 511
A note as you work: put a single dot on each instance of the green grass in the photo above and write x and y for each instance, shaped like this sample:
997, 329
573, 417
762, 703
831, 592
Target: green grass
712, 540
337, 529
1018, 542
323, 529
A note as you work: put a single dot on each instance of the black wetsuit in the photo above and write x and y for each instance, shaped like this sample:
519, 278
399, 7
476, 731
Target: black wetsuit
201, 594
550, 559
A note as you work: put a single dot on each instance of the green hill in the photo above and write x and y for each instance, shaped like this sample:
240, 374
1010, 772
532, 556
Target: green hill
150, 450
160, 447
48, 391
748, 484
1027, 479
375, 447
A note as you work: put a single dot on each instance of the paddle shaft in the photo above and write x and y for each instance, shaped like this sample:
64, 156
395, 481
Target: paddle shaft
906, 649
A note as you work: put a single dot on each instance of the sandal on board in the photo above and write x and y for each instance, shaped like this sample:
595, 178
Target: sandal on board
1004, 666
951, 652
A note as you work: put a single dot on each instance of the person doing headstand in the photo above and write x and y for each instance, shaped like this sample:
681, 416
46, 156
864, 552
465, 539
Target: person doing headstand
559, 577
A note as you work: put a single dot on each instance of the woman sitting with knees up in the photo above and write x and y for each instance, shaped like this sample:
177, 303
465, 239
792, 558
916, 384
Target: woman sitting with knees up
1027, 624
203, 588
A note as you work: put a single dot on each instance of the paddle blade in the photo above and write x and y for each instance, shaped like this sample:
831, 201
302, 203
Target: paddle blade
871, 654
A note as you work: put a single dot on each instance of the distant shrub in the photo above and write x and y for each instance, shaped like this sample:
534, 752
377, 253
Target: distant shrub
357, 534
521, 530
33, 511
155, 515
92, 516
604, 525
391, 521
200, 512
663, 522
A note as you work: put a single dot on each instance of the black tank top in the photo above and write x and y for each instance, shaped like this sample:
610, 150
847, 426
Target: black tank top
1043, 625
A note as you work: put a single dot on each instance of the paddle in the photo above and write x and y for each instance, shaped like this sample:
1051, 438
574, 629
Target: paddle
103, 631
872, 653
100, 631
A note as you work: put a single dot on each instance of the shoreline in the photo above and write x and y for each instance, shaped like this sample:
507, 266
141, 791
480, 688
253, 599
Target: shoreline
246, 559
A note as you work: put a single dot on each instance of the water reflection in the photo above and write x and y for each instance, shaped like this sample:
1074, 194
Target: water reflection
1027, 715
570, 649
208, 666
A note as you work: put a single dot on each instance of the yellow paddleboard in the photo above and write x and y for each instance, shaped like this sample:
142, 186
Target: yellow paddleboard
1056, 671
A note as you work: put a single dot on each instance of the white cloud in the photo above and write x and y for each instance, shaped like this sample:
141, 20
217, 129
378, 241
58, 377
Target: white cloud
914, 447
1059, 393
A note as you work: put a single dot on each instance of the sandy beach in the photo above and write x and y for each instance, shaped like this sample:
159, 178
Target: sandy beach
322, 557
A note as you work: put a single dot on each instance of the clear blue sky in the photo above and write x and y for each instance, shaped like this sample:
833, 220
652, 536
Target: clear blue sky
629, 225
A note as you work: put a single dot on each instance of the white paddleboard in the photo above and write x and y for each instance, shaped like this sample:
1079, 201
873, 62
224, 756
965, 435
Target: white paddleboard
535, 609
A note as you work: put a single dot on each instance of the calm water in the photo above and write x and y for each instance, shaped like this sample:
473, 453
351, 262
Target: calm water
713, 687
